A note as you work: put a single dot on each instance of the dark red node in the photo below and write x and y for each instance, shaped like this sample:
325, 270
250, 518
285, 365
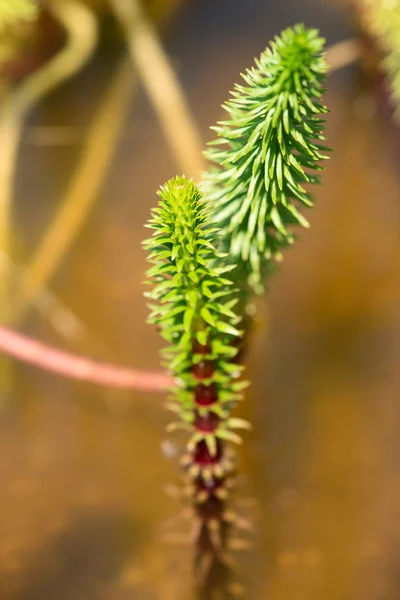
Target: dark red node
207, 423
205, 395
200, 349
203, 370
202, 454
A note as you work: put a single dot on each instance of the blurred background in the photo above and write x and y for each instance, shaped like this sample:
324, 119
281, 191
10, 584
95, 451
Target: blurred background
82, 469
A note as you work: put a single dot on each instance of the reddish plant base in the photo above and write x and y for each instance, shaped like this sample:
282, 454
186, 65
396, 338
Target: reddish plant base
207, 471
209, 478
202, 456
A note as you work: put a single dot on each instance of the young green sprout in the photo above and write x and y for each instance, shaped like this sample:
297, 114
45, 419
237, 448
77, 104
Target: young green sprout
192, 306
265, 153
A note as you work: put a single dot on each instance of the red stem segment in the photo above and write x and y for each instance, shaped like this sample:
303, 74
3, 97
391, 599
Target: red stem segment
77, 367
207, 471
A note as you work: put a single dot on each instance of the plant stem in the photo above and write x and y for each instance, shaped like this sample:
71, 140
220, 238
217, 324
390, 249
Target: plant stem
162, 86
82, 192
82, 36
9, 136
84, 369
81, 32
343, 54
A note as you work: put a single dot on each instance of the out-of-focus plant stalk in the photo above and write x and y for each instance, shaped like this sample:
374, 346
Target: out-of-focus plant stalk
61, 318
9, 137
162, 86
49, 306
81, 368
81, 31
82, 192
90, 177
342, 54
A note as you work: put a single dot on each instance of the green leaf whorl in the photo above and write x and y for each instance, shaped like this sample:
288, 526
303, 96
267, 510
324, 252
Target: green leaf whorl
265, 151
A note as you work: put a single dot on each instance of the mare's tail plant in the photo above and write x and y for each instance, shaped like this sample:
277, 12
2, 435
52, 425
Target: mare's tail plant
265, 152
193, 309
209, 255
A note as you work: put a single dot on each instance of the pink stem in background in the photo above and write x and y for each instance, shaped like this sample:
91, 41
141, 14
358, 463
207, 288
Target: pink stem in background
76, 367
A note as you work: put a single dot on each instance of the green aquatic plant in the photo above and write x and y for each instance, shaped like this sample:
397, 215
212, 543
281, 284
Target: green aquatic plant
266, 151
194, 314
192, 306
382, 18
208, 254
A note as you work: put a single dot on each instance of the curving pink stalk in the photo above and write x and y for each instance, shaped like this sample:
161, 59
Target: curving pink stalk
77, 367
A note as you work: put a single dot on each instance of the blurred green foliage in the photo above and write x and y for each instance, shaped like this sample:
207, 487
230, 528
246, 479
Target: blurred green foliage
16, 17
382, 18
12, 11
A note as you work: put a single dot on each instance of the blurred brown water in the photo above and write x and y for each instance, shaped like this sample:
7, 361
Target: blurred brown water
82, 470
